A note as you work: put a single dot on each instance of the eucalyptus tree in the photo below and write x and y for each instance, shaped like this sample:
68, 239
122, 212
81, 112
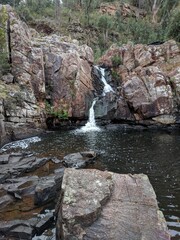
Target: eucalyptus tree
58, 11
4, 51
160, 10
13, 3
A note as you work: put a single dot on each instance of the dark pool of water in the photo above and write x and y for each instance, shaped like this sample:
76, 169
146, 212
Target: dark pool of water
156, 154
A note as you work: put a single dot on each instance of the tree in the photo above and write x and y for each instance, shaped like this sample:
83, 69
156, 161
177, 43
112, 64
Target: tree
105, 23
173, 27
159, 9
87, 5
13, 3
57, 11
4, 55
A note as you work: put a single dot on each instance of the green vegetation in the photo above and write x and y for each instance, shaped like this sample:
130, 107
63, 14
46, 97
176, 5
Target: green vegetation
57, 113
174, 26
153, 20
4, 64
116, 60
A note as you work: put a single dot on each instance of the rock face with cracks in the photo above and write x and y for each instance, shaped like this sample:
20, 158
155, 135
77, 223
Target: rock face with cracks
147, 82
23, 197
51, 78
28, 185
49, 74
108, 206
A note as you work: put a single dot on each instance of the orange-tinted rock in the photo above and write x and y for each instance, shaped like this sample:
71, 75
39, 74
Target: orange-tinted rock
125, 9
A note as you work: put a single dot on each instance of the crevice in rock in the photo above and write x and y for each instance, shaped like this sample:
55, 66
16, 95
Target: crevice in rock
9, 41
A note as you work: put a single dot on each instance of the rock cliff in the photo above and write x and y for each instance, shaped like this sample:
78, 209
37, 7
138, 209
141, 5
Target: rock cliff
147, 81
48, 75
52, 76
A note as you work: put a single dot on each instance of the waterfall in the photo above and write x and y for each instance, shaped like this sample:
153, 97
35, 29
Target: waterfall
91, 124
107, 87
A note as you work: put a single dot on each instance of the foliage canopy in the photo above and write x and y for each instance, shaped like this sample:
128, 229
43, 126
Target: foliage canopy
100, 31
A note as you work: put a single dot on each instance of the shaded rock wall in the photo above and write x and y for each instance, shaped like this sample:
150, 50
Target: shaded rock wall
68, 75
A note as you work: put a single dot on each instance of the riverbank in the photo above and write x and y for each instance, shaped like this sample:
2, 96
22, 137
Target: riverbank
122, 151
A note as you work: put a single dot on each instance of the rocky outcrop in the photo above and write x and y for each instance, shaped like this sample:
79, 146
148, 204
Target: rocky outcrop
106, 205
68, 75
147, 80
27, 185
123, 9
49, 76
51, 79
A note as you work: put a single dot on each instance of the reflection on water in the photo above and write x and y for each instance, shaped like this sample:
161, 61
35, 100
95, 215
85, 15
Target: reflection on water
156, 154
90, 139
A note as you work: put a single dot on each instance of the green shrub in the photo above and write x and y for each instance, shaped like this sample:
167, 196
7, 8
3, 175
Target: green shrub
4, 56
142, 31
116, 60
57, 113
4, 64
173, 28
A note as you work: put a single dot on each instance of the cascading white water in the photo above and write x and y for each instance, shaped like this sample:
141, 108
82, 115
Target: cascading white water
107, 87
91, 124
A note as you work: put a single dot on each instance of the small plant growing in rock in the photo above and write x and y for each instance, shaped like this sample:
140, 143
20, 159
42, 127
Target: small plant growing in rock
57, 113
116, 60
61, 114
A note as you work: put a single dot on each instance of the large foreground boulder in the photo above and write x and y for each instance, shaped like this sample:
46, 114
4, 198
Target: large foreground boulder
108, 206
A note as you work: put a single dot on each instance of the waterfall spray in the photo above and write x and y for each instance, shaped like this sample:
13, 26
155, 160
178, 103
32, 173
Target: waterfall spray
91, 124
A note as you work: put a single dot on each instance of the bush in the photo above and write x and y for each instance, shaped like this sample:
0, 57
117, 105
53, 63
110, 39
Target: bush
3, 28
142, 31
105, 22
4, 64
57, 113
4, 56
173, 28
116, 60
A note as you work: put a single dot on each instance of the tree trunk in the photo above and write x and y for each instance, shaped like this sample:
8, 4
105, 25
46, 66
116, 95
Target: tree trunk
155, 9
57, 11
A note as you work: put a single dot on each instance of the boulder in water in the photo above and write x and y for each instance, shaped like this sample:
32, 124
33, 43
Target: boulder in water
79, 160
105, 205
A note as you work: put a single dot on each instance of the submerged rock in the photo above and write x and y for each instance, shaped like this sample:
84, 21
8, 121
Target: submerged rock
106, 205
79, 160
